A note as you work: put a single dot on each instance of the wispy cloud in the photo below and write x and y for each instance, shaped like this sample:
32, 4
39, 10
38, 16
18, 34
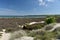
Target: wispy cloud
50, 0
4, 11
41, 2
44, 2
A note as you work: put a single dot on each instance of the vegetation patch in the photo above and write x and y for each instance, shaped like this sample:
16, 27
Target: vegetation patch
35, 26
50, 20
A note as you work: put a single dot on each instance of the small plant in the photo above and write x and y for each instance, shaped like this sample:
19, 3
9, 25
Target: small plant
9, 30
0, 34
50, 20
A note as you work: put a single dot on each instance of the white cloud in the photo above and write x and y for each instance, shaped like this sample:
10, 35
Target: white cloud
50, 0
44, 2
41, 2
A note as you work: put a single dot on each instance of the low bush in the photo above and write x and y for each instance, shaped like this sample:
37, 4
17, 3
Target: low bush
35, 26
44, 36
50, 20
9, 30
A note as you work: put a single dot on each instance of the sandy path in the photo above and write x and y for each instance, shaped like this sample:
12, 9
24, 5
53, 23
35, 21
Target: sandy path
5, 36
31, 23
25, 38
55, 26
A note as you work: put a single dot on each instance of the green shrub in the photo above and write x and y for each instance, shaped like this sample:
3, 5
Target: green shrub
50, 20
30, 27
46, 36
9, 30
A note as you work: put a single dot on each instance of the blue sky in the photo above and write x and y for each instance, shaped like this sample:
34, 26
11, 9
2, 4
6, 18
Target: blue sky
29, 7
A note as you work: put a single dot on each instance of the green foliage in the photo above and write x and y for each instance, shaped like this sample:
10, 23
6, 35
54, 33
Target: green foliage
50, 20
35, 26
0, 34
9, 30
42, 35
